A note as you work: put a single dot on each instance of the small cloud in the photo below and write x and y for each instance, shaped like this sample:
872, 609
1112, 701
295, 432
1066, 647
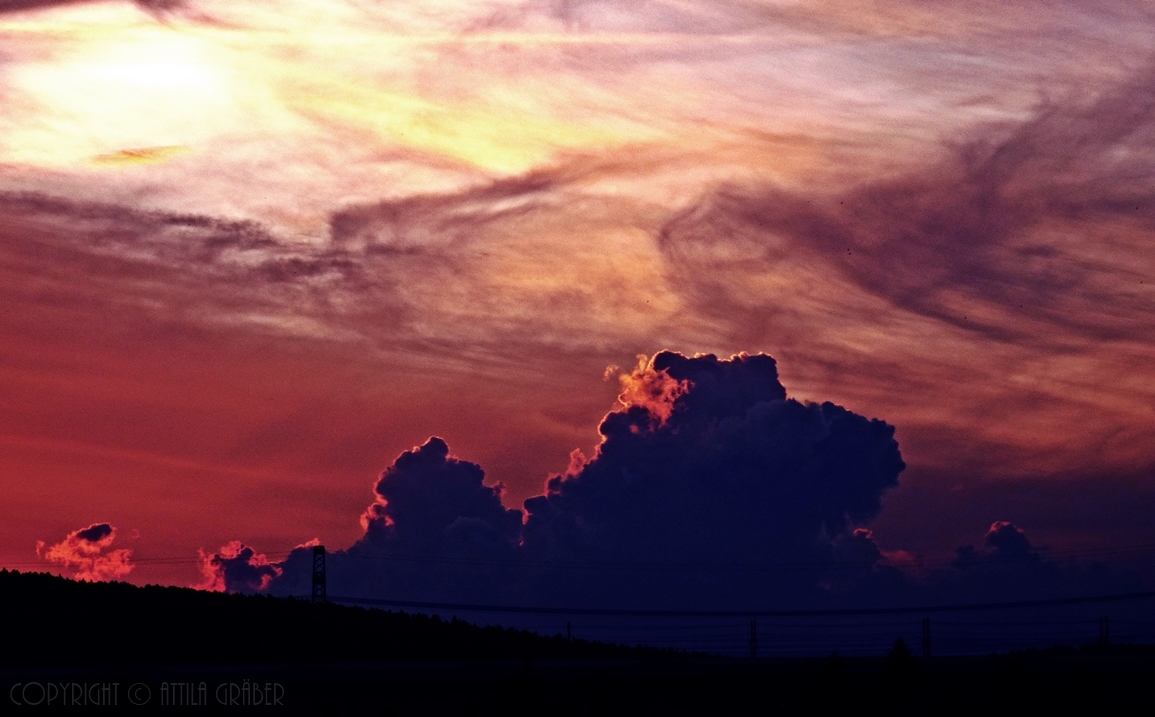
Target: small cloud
902, 559
1007, 540
89, 552
652, 389
236, 568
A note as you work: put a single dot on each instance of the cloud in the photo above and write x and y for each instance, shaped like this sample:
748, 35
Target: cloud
426, 221
1009, 568
215, 272
1004, 544
435, 528
1020, 252
713, 466
1007, 541
711, 489
736, 473
655, 391
154, 7
236, 568
921, 212
976, 243
19, 5
430, 502
89, 553
381, 280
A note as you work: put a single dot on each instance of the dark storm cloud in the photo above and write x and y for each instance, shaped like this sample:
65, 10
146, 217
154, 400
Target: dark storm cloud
733, 472
429, 502
711, 489
1007, 540
434, 529
1009, 568
450, 532
236, 568
1004, 543
1080, 510
94, 533
736, 473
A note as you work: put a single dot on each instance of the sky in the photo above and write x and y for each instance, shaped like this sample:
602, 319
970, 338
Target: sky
253, 252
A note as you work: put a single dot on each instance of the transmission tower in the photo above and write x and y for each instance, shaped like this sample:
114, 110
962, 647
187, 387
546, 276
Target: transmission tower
319, 573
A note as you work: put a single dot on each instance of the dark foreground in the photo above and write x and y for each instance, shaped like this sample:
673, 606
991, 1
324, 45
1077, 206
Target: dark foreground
1023, 683
84, 646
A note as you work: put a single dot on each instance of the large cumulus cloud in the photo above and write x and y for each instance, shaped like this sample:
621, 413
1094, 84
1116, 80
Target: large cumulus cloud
737, 473
430, 502
435, 530
711, 489
707, 474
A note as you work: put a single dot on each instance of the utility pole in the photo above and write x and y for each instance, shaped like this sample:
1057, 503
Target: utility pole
753, 639
926, 637
319, 574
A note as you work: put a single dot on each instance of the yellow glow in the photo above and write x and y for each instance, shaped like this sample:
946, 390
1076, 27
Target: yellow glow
485, 135
325, 102
126, 84
140, 95
142, 155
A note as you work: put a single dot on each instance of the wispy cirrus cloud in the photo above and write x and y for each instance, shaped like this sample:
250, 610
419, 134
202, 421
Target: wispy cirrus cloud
1024, 253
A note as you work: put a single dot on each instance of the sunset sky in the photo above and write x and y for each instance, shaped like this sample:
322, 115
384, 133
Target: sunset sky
250, 252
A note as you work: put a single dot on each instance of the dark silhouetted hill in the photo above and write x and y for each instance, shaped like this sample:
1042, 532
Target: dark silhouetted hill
56, 622
346, 660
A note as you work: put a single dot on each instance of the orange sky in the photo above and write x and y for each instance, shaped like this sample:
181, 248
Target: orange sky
249, 252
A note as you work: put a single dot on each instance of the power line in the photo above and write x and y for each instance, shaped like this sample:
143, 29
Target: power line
518, 562
529, 610
771, 565
983, 561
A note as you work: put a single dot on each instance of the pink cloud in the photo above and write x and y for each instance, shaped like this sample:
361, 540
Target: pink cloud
235, 568
651, 389
89, 552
